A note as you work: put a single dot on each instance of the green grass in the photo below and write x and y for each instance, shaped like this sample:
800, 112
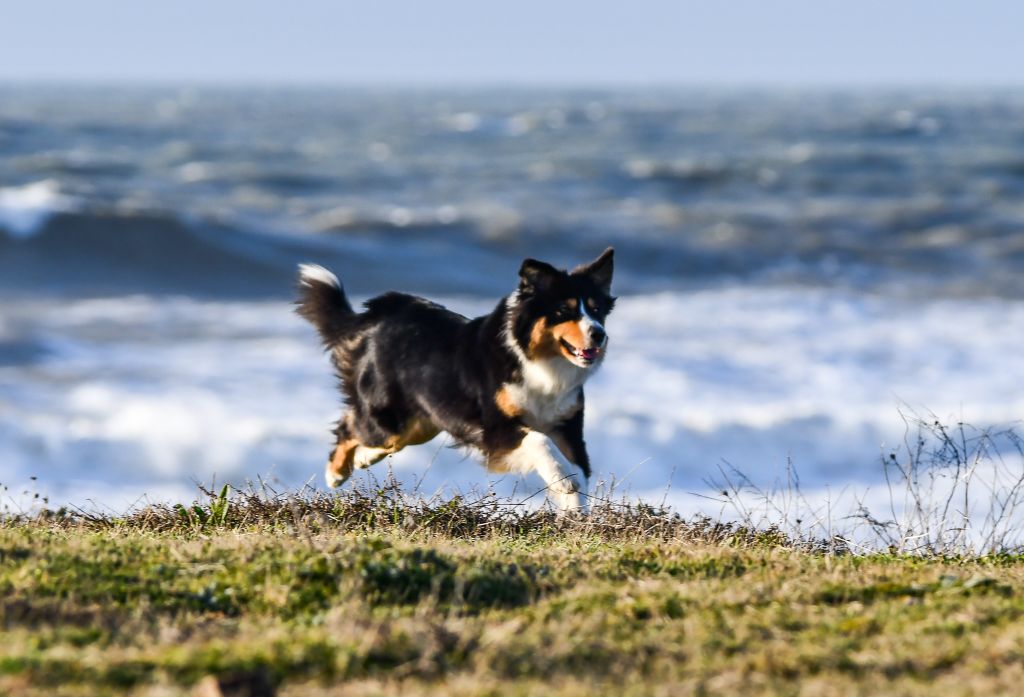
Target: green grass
368, 593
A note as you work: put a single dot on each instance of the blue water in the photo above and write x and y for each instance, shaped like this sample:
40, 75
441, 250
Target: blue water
792, 265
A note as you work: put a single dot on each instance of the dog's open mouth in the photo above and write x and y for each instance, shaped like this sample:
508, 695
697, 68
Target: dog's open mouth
586, 356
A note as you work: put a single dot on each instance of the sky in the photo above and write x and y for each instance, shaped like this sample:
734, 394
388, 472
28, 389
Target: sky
531, 42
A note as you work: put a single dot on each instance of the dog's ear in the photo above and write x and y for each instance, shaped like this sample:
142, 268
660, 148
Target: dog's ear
599, 270
535, 274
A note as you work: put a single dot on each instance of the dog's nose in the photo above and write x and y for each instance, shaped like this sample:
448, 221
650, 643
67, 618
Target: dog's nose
597, 335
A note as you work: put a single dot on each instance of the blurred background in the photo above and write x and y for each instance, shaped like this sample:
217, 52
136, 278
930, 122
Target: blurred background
818, 211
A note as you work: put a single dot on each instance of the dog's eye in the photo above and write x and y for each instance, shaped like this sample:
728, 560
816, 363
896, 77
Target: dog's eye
563, 310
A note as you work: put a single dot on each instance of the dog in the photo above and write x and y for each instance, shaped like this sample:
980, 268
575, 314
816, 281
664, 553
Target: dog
508, 385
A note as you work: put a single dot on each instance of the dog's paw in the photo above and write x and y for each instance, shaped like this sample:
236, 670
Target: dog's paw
566, 494
569, 503
332, 478
569, 484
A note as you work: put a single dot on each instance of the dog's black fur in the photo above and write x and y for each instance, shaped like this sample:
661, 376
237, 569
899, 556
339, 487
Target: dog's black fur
410, 368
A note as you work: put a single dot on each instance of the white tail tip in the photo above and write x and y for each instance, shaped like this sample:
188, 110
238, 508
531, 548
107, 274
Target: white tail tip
314, 273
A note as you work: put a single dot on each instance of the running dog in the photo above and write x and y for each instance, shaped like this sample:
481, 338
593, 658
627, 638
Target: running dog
508, 384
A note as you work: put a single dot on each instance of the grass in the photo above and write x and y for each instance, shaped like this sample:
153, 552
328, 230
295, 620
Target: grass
370, 592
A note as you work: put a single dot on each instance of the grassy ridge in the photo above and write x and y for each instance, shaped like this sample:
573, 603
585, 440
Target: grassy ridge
369, 593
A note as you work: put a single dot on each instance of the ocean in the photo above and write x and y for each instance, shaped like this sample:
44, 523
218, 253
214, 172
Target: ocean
795, 268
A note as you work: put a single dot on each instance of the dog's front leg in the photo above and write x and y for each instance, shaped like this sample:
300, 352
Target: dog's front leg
569, 439
538, 452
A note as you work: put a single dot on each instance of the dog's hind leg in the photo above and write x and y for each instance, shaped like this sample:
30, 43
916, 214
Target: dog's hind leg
414, 431
340, 465
342, 460
351, 454
366, 455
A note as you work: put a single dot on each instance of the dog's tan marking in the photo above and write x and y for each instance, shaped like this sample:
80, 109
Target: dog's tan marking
545, 341
571, 332
542, 344
507, 403
339, 469
350, 453
417, 431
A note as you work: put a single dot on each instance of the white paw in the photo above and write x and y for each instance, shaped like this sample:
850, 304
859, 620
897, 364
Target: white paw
565, 494
569, 502
567, 484
333, 479
365, 457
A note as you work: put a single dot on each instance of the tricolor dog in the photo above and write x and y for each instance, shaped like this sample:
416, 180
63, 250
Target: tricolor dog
508, 384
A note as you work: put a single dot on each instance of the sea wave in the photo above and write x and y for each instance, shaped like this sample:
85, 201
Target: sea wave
103, 252
25, 209
65, 248
109, 252
149, 393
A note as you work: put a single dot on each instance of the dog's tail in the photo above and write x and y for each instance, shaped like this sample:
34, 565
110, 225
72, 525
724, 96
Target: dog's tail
322, 301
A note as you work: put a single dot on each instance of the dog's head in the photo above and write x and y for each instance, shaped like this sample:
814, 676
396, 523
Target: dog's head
562, 313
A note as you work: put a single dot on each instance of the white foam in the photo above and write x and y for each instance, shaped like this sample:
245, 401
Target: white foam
149, 393
24, 209
754, 376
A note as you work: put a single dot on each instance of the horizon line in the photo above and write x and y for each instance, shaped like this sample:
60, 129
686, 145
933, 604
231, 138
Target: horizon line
505, 84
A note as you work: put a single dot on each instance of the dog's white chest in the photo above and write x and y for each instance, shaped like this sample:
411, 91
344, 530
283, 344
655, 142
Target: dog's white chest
549, 393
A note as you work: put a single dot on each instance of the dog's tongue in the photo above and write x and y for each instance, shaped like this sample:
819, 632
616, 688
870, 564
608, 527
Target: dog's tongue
589, 353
